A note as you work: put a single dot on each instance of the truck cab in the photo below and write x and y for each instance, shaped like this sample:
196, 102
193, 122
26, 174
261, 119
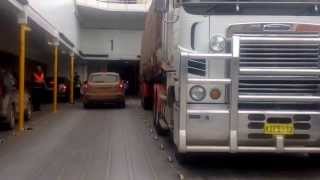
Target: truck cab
243, 76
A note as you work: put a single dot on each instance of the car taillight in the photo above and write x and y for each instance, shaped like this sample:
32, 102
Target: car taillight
121, 86
62, 88
86, 88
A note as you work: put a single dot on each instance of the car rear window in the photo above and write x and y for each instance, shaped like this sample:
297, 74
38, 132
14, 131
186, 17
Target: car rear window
104, 78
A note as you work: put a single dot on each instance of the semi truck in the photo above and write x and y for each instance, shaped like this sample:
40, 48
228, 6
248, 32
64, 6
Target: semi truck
233, 76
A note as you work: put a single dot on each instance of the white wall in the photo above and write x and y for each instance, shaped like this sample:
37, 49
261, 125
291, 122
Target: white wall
61, 14
126, 44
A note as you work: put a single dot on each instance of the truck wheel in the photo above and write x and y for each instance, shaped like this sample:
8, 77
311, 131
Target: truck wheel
11, 117
182, 158
161, 131
146, 104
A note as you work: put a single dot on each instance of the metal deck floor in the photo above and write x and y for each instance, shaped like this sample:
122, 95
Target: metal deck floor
79, 144
120, 144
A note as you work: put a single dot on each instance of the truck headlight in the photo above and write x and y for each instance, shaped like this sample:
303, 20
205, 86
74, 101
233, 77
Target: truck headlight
217, 43
198, 93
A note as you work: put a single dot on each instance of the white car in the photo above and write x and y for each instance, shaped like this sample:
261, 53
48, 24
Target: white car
9, 104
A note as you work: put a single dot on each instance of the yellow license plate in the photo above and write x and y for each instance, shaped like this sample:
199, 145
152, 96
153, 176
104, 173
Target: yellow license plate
279, 129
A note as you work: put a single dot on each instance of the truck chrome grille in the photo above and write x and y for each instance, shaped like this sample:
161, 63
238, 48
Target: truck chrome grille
301, 123
282, 54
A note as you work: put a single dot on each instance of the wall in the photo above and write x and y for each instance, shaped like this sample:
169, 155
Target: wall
61, 14
126, 44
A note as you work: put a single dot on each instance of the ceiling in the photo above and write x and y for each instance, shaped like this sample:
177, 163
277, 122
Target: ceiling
95, 18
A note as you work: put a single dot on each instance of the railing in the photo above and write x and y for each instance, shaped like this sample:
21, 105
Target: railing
118, 5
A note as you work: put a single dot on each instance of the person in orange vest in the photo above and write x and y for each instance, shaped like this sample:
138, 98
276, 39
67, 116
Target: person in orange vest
38, 87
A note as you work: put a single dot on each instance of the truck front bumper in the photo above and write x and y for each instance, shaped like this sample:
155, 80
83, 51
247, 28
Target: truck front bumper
207, 129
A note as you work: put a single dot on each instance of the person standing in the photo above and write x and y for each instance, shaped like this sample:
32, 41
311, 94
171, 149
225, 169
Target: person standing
38, 86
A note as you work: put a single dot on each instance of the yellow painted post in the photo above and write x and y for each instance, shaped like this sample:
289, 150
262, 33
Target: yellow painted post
55, 78
72, 78
22, 63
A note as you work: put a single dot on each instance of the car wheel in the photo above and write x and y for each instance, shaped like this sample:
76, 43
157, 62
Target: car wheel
63, 100
123, 105
28, 113
86, 105
11, 117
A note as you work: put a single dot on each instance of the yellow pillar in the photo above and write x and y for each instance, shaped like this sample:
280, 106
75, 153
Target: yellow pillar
22, 63
72, 78
55, 77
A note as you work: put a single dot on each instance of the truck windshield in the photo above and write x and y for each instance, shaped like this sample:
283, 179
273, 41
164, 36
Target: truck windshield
253, 7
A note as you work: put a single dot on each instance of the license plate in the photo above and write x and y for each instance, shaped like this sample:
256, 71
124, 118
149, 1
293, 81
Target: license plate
279, 129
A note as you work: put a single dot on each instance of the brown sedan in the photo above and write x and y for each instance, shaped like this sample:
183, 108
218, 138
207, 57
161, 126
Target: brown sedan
104, 88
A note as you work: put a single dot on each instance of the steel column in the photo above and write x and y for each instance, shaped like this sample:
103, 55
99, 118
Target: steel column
72, 78
22, 63
55, 76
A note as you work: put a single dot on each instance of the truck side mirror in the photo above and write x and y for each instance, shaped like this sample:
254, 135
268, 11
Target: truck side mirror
162, 6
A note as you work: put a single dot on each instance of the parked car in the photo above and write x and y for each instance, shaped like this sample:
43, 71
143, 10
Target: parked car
9, 102
104, 88
63, 88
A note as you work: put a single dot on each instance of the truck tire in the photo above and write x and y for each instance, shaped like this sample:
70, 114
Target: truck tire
182, 158
11, 119
146, 103
161, 131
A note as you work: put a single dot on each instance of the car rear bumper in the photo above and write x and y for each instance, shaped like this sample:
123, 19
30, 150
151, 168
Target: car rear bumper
114, 98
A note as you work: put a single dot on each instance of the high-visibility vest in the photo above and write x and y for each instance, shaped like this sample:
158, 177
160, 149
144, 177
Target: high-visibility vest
38, 78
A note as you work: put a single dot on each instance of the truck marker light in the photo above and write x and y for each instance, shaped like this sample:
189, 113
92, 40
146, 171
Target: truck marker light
215, 94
